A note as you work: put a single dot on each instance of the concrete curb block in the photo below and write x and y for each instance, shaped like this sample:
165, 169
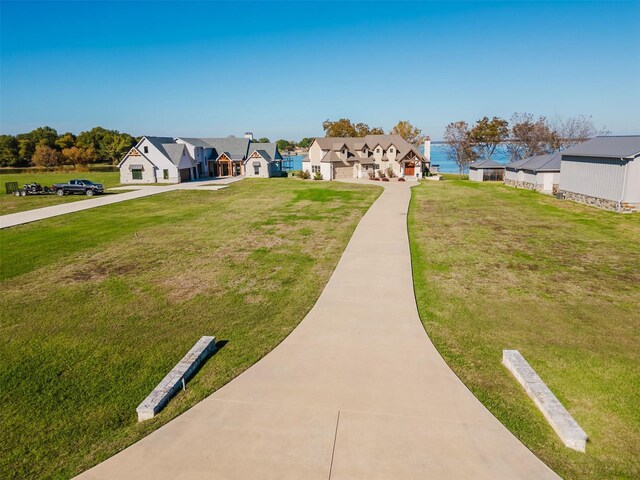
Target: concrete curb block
170, 384
558, 417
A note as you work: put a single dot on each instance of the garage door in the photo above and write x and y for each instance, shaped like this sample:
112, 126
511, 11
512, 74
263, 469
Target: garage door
342, 172
185, 174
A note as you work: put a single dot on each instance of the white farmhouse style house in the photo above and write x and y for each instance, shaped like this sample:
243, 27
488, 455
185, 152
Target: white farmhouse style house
174, 160
360, 157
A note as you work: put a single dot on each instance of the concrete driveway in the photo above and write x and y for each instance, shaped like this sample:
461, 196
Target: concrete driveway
357, 391
137, 191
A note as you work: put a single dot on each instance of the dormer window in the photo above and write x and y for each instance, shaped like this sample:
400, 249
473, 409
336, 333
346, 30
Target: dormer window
391, 150
146, 149
344, 151
377, 150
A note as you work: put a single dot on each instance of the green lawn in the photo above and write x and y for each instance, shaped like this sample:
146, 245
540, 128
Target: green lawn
501, 268
98, 306
13, 204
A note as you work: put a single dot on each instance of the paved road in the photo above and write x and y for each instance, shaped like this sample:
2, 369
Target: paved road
357, 391
139, 191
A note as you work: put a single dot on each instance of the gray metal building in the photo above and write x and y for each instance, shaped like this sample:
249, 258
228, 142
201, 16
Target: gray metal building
604, 172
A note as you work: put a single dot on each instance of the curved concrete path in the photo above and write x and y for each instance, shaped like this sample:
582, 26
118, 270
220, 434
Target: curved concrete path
138, 191
357, 391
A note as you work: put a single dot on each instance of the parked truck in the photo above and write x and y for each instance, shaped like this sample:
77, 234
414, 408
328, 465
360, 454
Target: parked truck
85, 187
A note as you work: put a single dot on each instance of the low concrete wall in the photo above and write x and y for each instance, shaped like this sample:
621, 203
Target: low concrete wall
560, 420
170, 384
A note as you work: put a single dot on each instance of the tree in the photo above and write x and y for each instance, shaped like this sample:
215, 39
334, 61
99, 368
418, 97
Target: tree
263, 140
487, 134
574, 130
44, 136
67, 140
529, 136
46, 156
9, 151
457, 136
284, 145
26, 148
79, 156
345, 128
407, 131
305, 142
110, 145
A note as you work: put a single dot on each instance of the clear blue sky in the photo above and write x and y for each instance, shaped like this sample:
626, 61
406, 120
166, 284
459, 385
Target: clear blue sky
280, 69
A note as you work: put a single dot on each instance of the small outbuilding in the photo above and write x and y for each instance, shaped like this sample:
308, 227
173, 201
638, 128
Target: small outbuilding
604, 172
486, 171
540, 173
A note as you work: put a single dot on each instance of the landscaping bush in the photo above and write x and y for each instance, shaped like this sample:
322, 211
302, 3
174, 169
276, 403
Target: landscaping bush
372, 175
390, 173
304, 174
317, 176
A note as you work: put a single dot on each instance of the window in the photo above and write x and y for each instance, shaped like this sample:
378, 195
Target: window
136, 174
146, 149
256, 169
391, 150
377, 150
315, 168
165, 174
376, 166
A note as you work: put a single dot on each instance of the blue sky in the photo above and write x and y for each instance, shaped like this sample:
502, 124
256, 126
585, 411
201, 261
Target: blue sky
280, 69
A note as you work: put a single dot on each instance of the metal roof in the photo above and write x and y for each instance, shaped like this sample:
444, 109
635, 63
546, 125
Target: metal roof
621, 146
486, 163
548, 162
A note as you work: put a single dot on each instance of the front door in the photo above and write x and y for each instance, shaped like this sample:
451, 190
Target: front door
410, 169
224, 169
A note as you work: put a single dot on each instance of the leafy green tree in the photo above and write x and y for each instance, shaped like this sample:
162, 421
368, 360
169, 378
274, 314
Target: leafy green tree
67, 140
345, 128
407, 131
305, 142
44, 136
46, 156
284, 145
263, 140
487, 134
26, 148
9, 151
110, 145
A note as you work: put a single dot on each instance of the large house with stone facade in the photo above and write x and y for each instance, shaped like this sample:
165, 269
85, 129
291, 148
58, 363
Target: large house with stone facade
604, 172
540, 173
174, 160
360, 157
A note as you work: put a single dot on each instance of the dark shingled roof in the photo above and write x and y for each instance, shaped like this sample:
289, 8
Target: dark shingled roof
622, 146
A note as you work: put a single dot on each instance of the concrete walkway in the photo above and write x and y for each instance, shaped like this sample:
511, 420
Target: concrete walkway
357, 391
138, 191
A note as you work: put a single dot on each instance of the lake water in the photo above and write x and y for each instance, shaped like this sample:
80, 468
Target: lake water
438, 157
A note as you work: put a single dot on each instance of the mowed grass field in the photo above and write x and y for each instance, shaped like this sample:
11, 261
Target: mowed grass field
501, 268
99, 305
12, 204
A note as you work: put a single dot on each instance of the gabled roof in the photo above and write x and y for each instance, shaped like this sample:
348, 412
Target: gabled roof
621, 146
270, 149
174, 152
371, 141
139, 154
196, 142
546, 162
486, 163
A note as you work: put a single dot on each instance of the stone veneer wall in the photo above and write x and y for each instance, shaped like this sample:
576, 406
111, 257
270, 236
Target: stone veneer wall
593, 201
519, 184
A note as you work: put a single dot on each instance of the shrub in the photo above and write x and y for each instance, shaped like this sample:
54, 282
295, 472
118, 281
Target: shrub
390, 173
380, 174
372, 175
317, 176
303, 174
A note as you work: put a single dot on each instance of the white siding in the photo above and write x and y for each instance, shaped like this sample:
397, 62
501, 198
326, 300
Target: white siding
511, 175
632, 190
529, 177
475, 175
149, 171
595, 177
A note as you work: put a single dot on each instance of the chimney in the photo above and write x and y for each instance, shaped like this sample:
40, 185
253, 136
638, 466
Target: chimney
427, 148
248, 135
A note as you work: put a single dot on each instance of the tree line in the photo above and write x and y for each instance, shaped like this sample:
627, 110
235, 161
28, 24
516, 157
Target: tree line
45, 147
524, 136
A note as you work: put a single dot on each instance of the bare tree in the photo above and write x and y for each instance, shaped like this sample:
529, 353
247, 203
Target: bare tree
457, 136
572, 130
529, 136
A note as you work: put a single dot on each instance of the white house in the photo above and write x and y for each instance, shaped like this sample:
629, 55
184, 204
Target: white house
360, 157
540, 173
604, 172
157, 159
169, 160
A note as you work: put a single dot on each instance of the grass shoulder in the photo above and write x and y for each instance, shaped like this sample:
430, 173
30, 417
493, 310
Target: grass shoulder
501, 268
